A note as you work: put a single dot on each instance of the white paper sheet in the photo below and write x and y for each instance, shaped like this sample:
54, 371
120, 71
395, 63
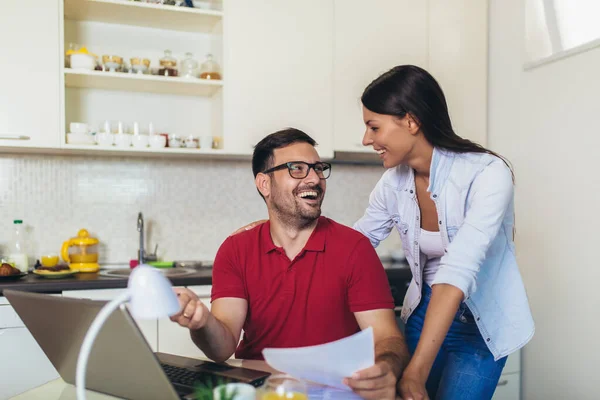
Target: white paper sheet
327, 363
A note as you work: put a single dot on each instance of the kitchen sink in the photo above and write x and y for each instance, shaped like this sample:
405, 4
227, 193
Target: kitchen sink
168, 272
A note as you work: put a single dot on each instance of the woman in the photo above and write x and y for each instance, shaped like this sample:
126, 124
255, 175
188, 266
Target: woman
451, 200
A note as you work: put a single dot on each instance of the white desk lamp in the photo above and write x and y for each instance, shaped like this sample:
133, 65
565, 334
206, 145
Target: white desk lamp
151, 296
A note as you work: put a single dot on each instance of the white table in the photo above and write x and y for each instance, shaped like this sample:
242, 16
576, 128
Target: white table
60, 390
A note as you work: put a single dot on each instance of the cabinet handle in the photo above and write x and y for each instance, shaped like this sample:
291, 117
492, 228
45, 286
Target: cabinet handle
15, 137
503, 382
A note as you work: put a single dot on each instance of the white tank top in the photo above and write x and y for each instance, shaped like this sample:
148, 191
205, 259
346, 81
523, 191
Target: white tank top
431, 246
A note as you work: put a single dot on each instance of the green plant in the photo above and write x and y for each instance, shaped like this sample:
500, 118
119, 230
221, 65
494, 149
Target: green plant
204, 391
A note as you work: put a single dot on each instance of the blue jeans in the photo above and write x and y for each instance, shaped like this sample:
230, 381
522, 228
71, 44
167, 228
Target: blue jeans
464, 369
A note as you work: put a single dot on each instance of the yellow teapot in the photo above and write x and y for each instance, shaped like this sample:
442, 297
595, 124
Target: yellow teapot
81, 252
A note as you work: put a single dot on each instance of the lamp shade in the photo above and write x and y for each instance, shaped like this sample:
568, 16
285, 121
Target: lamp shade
152, 295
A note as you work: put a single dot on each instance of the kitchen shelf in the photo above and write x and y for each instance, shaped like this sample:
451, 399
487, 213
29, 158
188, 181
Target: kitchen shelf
128, 12
152, 152
141, 83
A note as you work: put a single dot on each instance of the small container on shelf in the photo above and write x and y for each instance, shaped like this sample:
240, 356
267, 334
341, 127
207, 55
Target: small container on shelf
217, 142
189, 66
191, 142
168, 65
210, 69
70, 49
140, 65
82, 59
112, 63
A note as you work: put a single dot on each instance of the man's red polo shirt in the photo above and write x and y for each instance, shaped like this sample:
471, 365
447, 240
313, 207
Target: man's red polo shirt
304, 302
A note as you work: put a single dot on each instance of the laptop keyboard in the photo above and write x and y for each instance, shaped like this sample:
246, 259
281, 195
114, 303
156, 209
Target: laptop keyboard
183, 376
187, 377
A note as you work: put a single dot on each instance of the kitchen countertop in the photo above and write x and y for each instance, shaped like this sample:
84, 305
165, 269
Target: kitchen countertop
399, 276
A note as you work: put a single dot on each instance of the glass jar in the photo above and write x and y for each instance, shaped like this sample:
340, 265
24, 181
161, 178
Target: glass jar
282, 387
168, 65
210, 69
71, 48
189, 66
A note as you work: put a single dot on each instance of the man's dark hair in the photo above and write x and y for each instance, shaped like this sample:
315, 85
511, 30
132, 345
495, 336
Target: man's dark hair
262, 158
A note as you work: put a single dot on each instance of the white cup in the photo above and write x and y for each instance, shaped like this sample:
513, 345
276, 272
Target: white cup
140, 141
206, 142
123, 140
191, 142
175, 141
78, 127
157, 141
105, 139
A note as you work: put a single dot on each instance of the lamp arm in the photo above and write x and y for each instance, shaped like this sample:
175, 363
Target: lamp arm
90, 337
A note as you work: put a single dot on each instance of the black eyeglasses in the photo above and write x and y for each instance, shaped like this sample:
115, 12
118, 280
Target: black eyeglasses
300, 169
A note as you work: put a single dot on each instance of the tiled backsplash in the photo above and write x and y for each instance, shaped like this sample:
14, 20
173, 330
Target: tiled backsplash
189, 206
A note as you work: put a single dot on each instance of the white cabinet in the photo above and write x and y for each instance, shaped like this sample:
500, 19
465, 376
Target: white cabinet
175, 339
508, 388
23, 361
458, 37
278, 71
509, 384
149, 328
369, 39
30, 74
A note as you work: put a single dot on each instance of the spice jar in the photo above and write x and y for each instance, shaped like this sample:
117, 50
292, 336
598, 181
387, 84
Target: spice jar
210, 69
189, 66
168, 65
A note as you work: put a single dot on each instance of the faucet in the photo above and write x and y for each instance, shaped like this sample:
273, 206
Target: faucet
142, 256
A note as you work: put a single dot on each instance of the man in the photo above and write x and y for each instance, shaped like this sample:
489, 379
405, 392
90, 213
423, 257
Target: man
299, 279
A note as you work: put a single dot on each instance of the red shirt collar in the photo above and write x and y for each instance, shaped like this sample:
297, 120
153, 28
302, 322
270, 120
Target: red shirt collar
316, 241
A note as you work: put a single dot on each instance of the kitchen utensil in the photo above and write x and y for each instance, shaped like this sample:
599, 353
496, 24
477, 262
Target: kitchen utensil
210, 69
157, 141
7, 278
191, 142
78, 127
55, 274
123, 140
105, 139
189, 66
83, 61
140, 141
168, 65
49, 259
161, 264
81, 252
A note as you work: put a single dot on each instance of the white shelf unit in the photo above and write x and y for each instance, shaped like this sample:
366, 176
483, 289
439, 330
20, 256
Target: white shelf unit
128, 12
141, 83
174, 105
165, 151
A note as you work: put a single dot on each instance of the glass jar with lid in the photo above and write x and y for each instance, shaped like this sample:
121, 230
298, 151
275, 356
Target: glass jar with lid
168, 65
189, 66
210, 69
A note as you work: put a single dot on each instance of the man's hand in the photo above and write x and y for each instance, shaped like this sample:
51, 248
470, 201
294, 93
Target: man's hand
192, 314
374, 383
411, 387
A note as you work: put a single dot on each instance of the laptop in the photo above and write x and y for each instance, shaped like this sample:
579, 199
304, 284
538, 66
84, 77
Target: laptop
121, 363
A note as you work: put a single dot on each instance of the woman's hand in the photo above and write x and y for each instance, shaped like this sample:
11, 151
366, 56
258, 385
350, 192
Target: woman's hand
249, 226
412, 387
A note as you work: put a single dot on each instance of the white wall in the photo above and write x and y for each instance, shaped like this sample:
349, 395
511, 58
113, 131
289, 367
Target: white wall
545, 121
